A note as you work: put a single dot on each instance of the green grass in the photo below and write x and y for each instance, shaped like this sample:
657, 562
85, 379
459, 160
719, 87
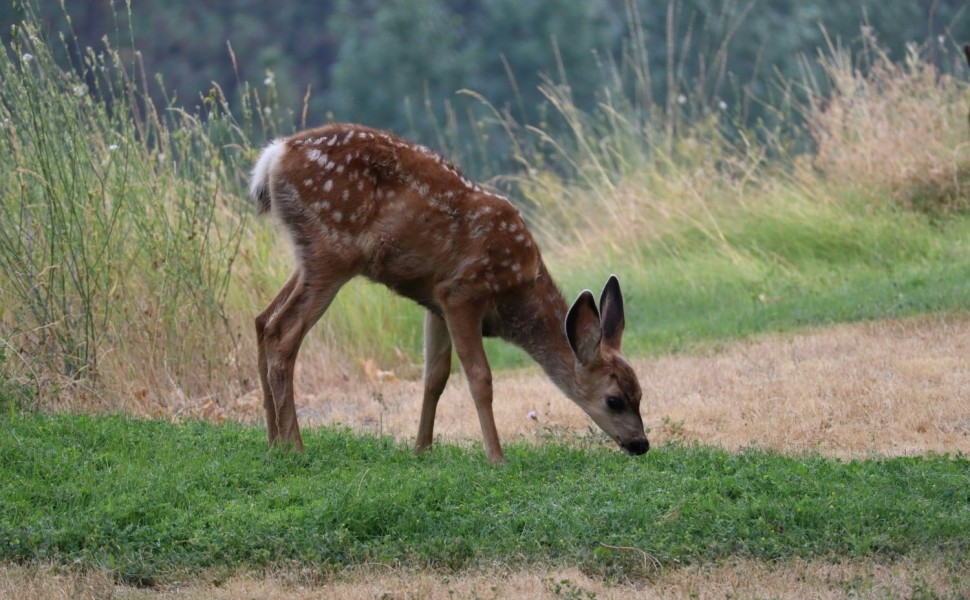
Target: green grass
793, 265
149, 498
781, 274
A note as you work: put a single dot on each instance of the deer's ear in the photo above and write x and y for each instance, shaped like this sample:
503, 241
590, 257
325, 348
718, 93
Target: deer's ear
611, 308
583, 328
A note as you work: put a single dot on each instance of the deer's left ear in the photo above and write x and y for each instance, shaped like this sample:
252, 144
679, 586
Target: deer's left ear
583, 329
611, 311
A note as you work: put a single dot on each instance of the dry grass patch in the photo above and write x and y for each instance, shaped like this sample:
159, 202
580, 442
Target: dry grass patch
887, 387
737, 578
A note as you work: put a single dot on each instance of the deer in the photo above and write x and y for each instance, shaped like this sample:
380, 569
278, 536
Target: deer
358, 201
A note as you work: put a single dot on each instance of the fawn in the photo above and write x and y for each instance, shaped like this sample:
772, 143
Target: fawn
359, 201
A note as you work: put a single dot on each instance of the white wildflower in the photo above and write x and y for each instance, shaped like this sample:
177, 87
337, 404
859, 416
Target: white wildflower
113, 147
681, 99
28, 57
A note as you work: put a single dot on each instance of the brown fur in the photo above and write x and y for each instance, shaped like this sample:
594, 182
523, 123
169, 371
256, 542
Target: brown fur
358, 201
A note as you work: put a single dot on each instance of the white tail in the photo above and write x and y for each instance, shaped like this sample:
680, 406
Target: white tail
358, 201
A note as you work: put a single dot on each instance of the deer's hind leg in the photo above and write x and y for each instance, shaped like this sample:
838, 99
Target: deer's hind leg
262, 319
280, 330
437, 368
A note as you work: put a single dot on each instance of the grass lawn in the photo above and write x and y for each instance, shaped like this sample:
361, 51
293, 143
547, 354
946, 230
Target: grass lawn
149, 498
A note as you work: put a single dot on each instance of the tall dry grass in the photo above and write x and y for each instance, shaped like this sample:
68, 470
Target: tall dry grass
891, 131
120, 224
858, 126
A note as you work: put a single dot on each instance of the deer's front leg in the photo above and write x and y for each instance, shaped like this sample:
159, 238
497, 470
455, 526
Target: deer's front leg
437, 368
465, 324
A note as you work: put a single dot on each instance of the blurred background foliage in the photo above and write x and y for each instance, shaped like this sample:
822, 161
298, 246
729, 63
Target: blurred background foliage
400, 64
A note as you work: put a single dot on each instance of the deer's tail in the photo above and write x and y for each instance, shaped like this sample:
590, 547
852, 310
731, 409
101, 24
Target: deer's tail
262, 175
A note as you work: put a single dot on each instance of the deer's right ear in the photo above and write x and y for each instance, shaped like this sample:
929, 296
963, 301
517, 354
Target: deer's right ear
583, 328
611, 311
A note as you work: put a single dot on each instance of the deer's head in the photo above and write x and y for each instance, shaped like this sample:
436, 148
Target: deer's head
606, 385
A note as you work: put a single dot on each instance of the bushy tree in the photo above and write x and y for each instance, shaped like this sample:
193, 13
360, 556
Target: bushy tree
516, 43
393, 56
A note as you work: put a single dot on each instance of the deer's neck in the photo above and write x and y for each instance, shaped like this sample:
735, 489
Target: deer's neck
535, 324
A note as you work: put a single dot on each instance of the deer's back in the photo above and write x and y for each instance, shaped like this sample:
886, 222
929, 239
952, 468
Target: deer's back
361, 201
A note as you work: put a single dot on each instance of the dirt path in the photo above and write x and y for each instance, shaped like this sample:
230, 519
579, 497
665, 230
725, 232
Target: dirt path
889, 388
735, 579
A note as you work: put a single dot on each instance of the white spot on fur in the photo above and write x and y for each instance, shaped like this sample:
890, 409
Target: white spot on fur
328, 186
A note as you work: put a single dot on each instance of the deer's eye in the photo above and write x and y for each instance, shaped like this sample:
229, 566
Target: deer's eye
615, 403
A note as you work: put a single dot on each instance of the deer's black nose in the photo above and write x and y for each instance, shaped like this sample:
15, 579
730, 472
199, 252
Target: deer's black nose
638, 447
